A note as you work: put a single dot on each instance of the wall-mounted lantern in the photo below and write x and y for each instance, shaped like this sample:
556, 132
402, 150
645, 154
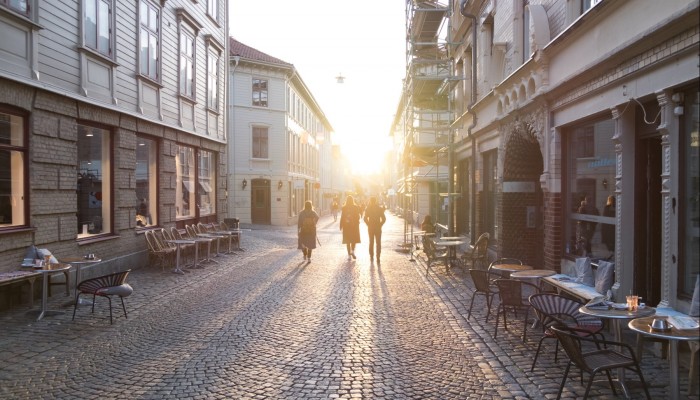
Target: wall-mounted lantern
244, 184
279, 185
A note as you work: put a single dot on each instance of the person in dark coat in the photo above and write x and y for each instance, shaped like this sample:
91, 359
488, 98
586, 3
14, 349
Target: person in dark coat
374, 218
350, 225
306, 226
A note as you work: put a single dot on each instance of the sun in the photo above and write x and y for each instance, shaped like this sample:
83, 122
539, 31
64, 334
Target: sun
366, 157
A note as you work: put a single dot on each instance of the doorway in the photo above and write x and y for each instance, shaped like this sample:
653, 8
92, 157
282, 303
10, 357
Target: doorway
260, 210
647, 219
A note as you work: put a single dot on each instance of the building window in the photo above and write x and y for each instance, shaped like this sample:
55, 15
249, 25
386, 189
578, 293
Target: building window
187, 67
588, 4
689, 235
149, 40
260, 145
260, 92
13, 164
94, 181
590, 184
98, 26
185, 183
146, 182
207, 183
20, 6
213, 80
213, 9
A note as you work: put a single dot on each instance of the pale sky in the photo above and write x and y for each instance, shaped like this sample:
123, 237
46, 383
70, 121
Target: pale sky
325, 38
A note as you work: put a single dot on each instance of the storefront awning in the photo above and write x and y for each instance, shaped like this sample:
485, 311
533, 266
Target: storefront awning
189, 186
205, 186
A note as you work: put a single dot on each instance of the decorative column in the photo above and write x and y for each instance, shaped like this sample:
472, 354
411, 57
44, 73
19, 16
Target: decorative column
617, 142
668, 259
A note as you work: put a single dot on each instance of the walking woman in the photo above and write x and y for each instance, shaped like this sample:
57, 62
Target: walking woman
350, 225
307, 229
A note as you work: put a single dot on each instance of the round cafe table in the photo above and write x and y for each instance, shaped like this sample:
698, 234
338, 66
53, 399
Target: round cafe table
46, 271
532, 275
506, 270
673, 335
79, 262
616, 316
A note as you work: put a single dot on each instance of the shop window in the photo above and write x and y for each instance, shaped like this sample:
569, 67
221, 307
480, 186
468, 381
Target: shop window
207, 183
185, 200
590, 186
19, 6
13, 167
146, 182
94, 181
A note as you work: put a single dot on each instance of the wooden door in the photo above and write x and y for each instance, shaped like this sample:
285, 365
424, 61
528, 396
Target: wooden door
260, 201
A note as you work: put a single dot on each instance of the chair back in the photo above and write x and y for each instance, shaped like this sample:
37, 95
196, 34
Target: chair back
159, 235
571, 343
110, 280
557, 309
167, 234
151, 241
511, 292
175, 233
480, 251
482, 280
191, 232
505, 260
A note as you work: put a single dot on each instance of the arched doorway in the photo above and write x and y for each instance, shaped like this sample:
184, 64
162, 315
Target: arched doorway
521, 201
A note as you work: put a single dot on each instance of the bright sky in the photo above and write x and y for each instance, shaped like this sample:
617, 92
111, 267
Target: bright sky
325, 38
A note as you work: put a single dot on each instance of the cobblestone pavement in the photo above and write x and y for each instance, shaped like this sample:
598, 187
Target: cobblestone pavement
263, 324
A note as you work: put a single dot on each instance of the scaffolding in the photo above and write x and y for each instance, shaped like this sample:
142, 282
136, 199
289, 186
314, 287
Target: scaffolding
427, 114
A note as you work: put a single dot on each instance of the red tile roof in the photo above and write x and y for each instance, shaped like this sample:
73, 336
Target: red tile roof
237, 48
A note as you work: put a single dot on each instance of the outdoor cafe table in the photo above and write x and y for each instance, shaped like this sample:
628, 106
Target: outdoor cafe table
673, 335
46, 271
178, 243
532, 275
452, 246
506, 270
616, 316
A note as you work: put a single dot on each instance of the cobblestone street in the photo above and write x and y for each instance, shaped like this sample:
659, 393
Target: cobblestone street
264, 324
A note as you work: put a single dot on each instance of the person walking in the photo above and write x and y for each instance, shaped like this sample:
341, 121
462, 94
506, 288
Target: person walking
350, 225
334, 209
374, 218
306, 226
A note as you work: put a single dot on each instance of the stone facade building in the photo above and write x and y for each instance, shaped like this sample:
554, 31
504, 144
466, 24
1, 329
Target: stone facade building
574, 131
111, 122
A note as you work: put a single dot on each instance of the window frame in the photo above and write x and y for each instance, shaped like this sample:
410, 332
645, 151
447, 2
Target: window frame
110, 53
257, 93
256, 144
27, 13
23, 150
191, 58
213, 10
206, 179
155, 74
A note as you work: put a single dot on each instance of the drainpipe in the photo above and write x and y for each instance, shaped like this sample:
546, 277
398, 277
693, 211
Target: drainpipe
231, 169
470, 110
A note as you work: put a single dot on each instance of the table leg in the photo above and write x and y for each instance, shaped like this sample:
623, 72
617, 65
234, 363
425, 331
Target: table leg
177, 269
44, 311
673, 360
78, 275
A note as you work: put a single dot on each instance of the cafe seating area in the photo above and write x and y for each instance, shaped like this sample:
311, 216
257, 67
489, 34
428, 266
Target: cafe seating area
559, 303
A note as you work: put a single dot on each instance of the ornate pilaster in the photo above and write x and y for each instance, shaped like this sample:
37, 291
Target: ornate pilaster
617, 142
667, 262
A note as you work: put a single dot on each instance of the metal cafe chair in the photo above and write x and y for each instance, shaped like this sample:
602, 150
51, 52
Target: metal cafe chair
512, 295
593, 361
483, 285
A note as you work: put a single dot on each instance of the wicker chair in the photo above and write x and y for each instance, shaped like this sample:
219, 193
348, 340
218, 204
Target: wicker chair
477, 258
162, 255
105, 286
553, 309
483, 285
596, 360
513, 298
435, 254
